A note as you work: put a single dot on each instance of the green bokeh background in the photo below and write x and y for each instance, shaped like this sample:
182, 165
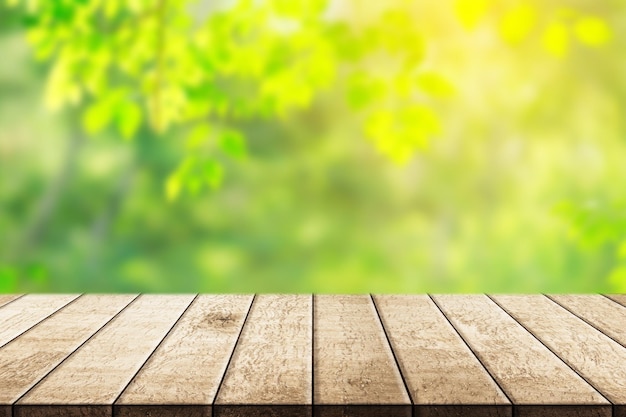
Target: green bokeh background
522, 191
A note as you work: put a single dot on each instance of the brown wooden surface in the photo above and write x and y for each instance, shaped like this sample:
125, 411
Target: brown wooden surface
271, 366
437, 365
188, 366
22, 314
596, 357
27, 359
526, 370
95, 375
353, 362
604, 314
302, 355
7, 298
618, 298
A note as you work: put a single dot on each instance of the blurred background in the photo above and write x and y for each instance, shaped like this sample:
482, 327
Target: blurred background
315, 146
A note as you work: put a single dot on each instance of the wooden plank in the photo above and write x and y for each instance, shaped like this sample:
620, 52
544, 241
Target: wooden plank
602, 313
441, 372
355, 373
91, 379
185, 371
595, 356
27, 311
27, 359
537, 382
618, 298
7, 298
271, 368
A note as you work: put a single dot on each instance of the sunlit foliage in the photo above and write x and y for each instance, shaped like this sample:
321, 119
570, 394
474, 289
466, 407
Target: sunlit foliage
346, 145
181, 67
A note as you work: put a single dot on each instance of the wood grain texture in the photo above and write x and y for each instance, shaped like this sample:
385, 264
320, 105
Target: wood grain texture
185, 356
604, 314
599, 359
272, 362
353, 362
437, 365
7, 298
188, 366
27, 359
27, 311
95, 375
618, 298
526, 370
5, 410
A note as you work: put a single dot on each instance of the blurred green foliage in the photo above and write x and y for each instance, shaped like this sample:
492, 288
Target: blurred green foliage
318, 145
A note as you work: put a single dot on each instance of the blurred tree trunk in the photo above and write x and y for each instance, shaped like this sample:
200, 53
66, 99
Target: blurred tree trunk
102, 224
45, 210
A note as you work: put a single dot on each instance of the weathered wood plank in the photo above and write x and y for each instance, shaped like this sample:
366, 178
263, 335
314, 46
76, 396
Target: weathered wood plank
602, 313
595, 356
24, 313
441, 372
7, 298
271, 368
537, 382
353, 362
185, 371
618, 298
90, 380
25, 360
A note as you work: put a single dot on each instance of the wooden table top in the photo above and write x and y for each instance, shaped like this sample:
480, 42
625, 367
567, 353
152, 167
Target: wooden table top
280, 355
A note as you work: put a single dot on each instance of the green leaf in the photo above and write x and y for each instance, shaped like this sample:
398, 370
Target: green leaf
30, 20
617, 279
470, 12
379, 124
422, 118
592, 31
403, 85
193, 174
415, 54
233, 143
517, 23
172, 187
362, 90
398, 133
43, 44
111, 8
194, 185
299, 8
556, 39
198, 135
435, 85
61, 82
62, 11
97, 116
213, 173
129, 118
